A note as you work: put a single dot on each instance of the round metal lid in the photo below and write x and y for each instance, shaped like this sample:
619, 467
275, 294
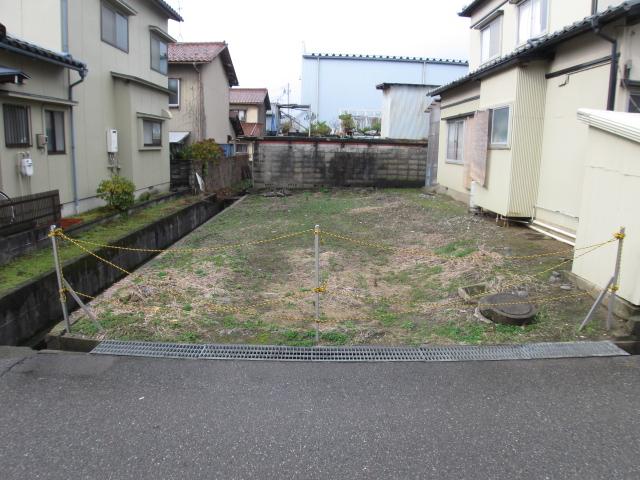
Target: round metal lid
507, 305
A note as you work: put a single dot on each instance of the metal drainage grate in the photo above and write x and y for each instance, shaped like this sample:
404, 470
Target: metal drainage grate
149, 349
456, 353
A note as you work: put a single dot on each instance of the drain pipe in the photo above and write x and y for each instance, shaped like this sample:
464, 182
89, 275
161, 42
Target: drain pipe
74, 173
613, 73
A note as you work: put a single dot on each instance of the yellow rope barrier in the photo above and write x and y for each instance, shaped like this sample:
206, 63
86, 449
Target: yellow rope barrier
188, 250
444, 303
69, 239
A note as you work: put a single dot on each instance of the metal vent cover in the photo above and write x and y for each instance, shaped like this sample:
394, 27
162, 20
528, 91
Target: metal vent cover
455, 353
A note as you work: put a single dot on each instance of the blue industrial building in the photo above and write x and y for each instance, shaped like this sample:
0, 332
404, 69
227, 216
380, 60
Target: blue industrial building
336, 83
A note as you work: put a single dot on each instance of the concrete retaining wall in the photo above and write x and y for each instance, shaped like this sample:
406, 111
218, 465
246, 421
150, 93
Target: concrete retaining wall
34, 307
307, 163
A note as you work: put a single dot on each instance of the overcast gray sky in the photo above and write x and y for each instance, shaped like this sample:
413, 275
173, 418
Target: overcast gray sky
267, 38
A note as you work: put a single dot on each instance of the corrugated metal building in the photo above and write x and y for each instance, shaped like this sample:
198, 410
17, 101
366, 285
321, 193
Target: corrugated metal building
336, 83
404, 110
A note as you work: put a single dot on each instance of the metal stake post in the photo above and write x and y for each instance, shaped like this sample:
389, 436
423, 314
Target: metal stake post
56, 261
316, 234
611, 284
616, 278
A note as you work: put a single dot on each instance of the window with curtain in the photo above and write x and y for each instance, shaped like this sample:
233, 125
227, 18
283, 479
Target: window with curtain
532, 19
114, 27
54, 121
152, 133
490, 40
17, 126
158, 54
455, 140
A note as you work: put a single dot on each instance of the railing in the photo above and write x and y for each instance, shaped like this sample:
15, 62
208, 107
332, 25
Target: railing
29, 211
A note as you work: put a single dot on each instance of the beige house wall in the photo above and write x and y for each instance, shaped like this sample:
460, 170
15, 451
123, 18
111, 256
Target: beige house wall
461, 101
204, 101
216, 102
560, 14
189, 115
105, 102
51, 171
37, 21
564, 145
610, 197
498, 91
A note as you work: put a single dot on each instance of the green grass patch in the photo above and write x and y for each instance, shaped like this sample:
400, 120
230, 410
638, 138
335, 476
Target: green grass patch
31, 265
456, 249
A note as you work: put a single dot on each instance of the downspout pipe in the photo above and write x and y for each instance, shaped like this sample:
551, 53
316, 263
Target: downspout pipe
74, 170
613, 73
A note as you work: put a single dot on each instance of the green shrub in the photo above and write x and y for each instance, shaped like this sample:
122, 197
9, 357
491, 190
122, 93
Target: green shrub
347, 122
117, 192
320, 129
204, 150
144, 197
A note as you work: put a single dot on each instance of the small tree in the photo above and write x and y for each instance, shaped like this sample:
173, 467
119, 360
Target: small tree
376, 125
204, 151
117, 192
320, 129
347, 123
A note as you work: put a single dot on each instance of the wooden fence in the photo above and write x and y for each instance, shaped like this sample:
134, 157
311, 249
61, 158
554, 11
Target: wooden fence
29, 211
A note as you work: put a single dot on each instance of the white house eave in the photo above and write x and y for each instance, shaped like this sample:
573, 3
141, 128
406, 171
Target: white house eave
622, 124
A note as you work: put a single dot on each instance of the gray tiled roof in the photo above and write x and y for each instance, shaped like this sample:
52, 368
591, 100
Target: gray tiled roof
22, 47
168, 9
541, 43
386, 58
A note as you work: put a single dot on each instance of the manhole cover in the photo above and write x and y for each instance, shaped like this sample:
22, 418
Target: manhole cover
507, 308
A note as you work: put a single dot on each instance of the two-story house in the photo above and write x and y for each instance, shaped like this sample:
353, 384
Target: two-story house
200, 75
509, 139
250, 105
117, 124
35, 138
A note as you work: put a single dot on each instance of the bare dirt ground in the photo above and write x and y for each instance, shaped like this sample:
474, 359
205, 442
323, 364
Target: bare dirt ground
394, 281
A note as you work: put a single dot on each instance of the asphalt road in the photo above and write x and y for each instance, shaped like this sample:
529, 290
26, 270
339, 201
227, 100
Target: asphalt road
72, 416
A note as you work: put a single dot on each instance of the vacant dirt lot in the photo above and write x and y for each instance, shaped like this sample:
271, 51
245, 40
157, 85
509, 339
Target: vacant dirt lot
395, 284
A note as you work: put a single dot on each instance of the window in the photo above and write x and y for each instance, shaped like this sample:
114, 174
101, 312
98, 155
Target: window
634, 101
532, 19
241, 148
114, 28
490, 40
242, 115
455, 140
17, 126
158, 54
55, 131
152, 133
500, 126
174, 96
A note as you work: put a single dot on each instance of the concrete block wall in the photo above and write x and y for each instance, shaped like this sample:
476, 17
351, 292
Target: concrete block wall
297, 163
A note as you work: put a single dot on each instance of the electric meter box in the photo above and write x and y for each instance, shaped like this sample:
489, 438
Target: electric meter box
41, 140
26, 166
112, 140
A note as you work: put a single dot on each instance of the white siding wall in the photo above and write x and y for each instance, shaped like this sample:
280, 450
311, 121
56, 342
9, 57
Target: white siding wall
404, 112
